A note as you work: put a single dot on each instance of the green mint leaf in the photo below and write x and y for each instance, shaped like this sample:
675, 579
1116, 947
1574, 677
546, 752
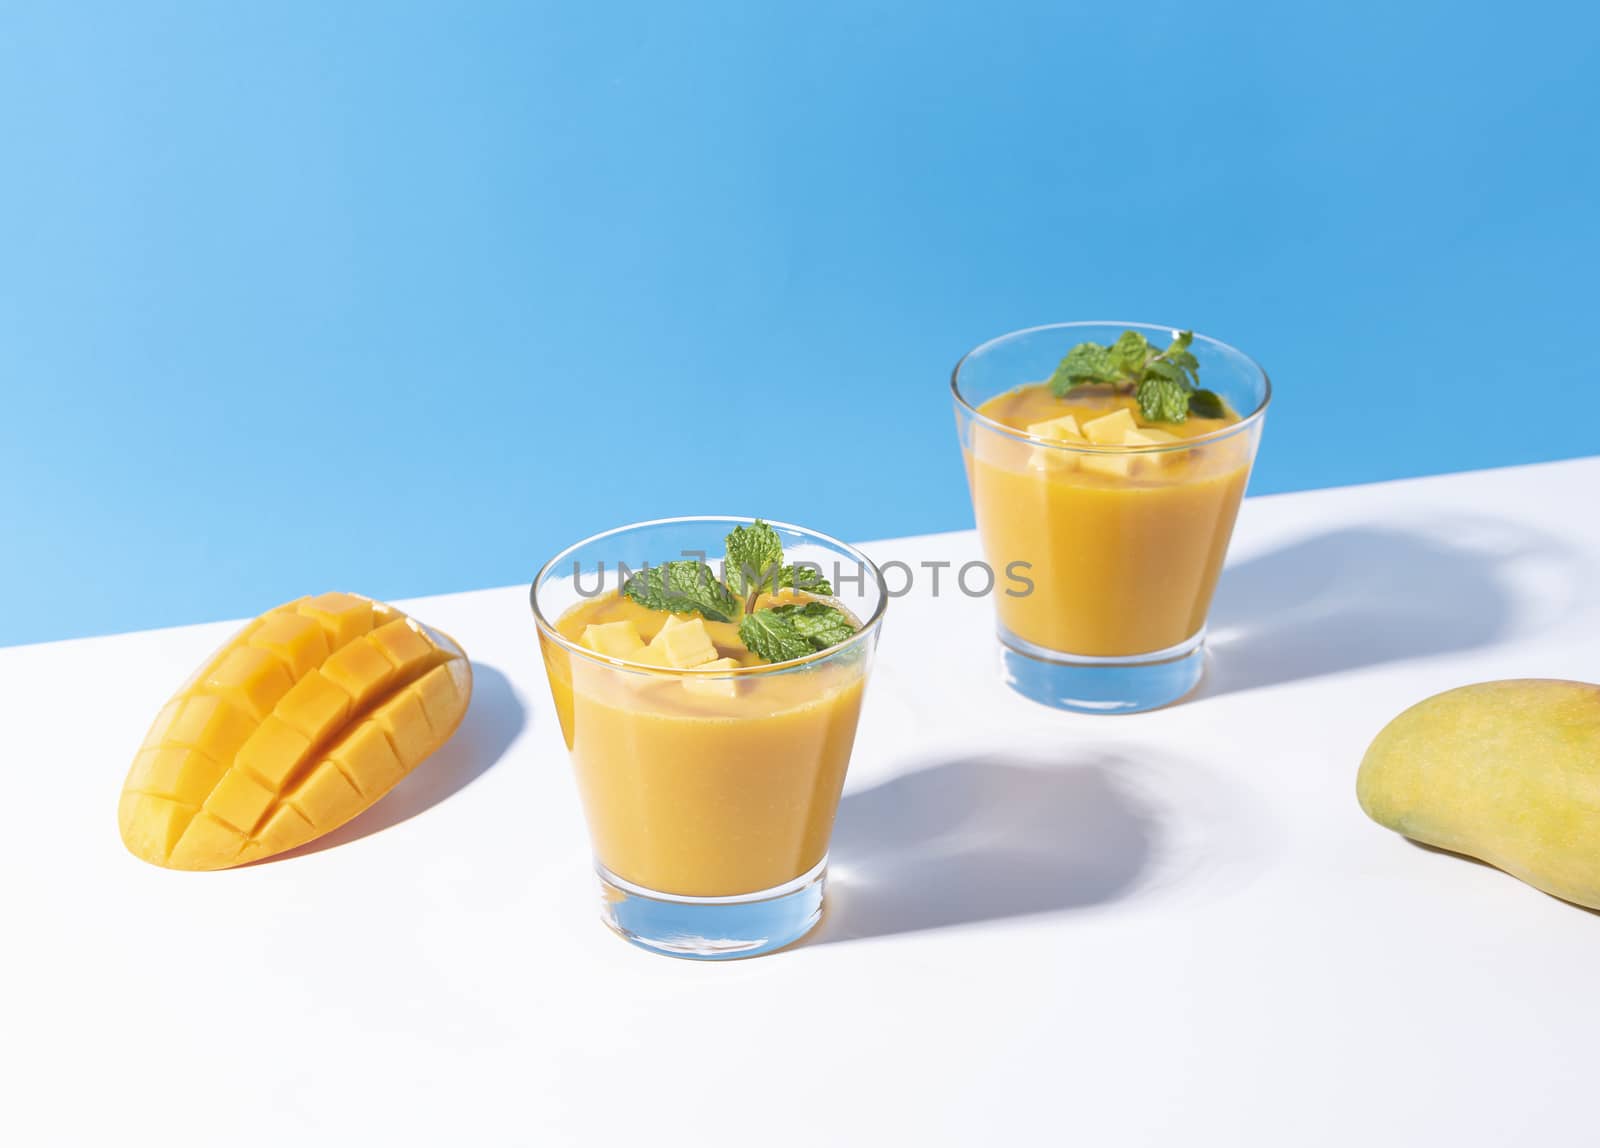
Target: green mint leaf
1207, 405
782, 633
1162, 399
818, 623
806, 578
682, 588
755, 554
1129, 353
770, 635
1085, 363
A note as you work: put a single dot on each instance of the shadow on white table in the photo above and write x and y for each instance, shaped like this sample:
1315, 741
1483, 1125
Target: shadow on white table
1361, 596
986, 837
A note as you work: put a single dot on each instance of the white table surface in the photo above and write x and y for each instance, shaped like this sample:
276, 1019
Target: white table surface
1176, 927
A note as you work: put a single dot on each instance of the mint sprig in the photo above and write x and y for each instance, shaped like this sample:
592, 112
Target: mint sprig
780, 633
754, 565
1166, 384
686, 587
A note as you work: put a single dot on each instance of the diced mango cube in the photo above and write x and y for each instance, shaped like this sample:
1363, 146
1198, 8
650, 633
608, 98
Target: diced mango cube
252, 679
359, 670
207, 844
686, 645
1149, 436
343, 617
296, 641
1109, 430
712, 686
274, 752
151, 826
284, 829
441, 700
368, 757
327, 798
404, 646
613, 639
315, 706
183, 775
406, 724
1064, 427
240, 800
211, 726
1111, 465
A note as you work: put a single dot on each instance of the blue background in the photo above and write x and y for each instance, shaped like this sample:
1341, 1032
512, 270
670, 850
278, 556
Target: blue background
401, 298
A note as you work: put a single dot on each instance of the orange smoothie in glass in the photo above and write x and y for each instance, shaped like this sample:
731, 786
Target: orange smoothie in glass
1105, 479
1124, 550
705, 786
709, 709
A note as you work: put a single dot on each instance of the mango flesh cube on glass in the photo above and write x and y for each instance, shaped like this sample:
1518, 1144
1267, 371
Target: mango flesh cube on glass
714, 687
614, 639
686, 645
1109, 430
310, 714
1066, 427
1062, 429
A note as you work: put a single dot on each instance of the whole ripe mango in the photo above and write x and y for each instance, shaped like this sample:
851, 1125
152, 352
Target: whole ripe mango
1507, 772
306, 717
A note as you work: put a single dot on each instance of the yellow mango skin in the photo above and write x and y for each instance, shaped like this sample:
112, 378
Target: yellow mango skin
308, 715
1507, 772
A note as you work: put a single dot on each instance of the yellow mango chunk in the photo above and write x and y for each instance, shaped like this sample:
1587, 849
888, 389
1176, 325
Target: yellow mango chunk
249, 679
296, 641
210, 725
613, 639
315, 706
360, 670
151, 826
685, 645
343, 617
183, 775
1066, 427
404, 725
327, 797
1111, 429
714, 687
310, 714
1148, 436
1111, 465
403, 644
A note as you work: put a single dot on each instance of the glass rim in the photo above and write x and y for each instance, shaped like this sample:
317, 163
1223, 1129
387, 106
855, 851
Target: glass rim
547, 628
1244, 423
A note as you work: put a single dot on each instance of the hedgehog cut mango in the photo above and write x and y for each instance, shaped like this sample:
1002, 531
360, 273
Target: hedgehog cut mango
306, 717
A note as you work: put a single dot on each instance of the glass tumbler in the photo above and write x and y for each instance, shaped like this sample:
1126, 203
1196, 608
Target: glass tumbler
710, 795
1106, 556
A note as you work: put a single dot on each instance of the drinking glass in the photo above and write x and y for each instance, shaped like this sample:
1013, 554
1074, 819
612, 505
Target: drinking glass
710, 795
1106, 556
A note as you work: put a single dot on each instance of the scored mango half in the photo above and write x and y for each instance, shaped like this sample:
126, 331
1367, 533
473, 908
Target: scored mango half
306, 717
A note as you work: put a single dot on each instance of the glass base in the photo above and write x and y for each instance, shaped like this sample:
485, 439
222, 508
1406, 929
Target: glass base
713, 928
1102, 685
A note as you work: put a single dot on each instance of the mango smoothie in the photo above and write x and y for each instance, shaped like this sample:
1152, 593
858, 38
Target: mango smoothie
709, 707
701, 784
1107, 463
1123, 541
